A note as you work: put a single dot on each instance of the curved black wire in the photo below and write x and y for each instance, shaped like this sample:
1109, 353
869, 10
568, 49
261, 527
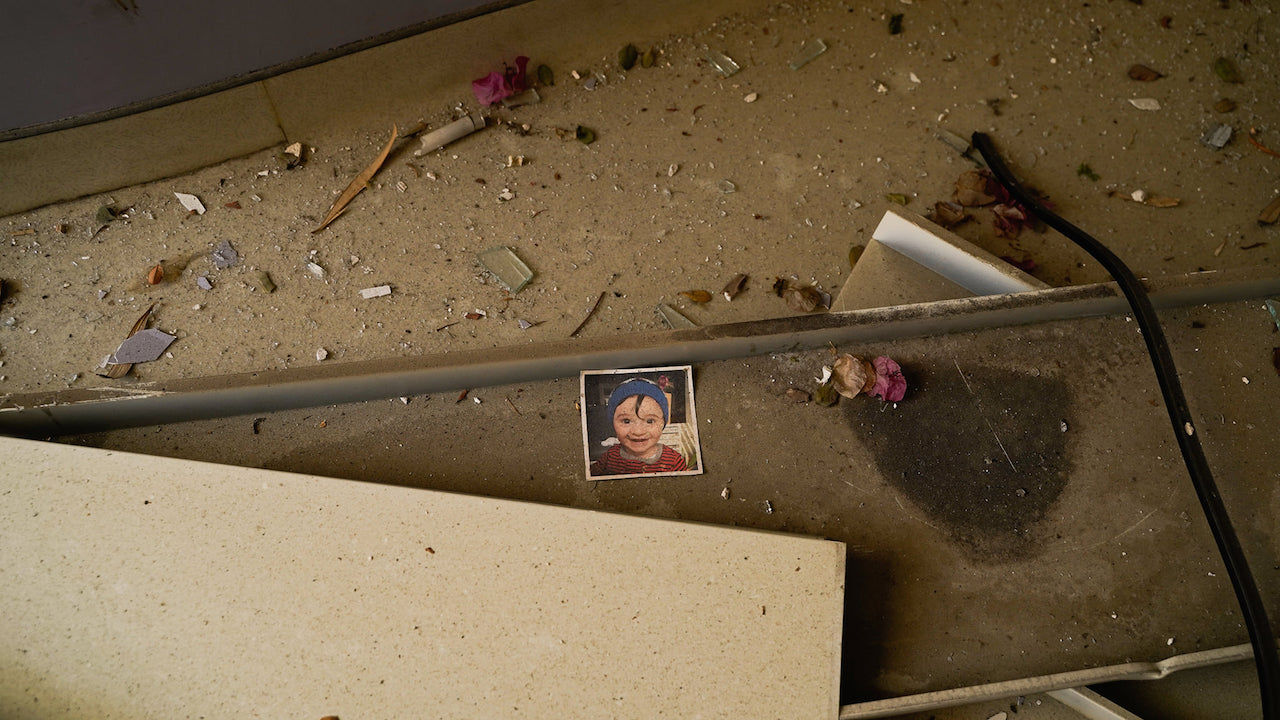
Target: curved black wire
1255, 615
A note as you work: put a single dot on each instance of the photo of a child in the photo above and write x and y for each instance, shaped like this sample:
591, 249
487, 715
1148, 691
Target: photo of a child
639, 422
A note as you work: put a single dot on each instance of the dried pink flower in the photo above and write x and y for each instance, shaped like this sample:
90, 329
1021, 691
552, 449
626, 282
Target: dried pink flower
890, 385
495, 87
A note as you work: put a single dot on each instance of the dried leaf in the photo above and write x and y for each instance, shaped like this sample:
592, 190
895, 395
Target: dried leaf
855, 253
796, 395
972, 189
1271, 213
849, 375
802, 299
698, 296
155, 275
361, 180
948, 214
1145, 103
1226, 70
627, 57
1163, 202
1142, 73
734, 286
1224, 105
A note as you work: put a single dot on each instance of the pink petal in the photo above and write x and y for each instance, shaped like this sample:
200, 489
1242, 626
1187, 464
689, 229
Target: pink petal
890, 385
490, 89
517, 80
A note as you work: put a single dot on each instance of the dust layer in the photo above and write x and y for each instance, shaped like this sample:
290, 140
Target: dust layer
982, 452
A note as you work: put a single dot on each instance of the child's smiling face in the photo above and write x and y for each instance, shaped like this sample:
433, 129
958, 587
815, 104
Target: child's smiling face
638, 430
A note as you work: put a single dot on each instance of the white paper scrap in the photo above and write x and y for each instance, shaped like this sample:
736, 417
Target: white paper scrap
190, 202
374, 292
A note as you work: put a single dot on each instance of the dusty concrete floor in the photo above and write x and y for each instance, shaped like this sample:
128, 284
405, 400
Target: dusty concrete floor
986, 542
639, 213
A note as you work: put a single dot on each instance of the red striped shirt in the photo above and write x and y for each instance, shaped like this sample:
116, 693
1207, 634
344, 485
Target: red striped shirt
612, 463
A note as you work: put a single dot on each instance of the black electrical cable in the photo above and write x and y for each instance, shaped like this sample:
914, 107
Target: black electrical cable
1255, 615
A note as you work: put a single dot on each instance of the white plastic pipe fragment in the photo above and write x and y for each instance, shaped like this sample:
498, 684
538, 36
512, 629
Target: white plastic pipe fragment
455, 130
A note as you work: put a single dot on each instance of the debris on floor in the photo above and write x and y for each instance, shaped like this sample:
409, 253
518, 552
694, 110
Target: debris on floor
375, 292
723, 63
808, 52
507, 267
698, 296
264, 282
143, 346
1217, 136
293, 156
190, 202
594, 306
802, 298
674, 318
224, 256
1142, 73
494, 87
1271, 213
734, 286
119, 370
156, 274
359, 183
455, 130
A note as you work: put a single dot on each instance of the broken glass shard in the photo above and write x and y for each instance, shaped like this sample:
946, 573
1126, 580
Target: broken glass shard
1217, 136
808, 51
722, 63
673, 318
509, 269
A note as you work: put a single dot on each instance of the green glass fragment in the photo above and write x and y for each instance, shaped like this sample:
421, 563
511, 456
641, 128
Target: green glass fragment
897, 198
1085, 171
808, 51
648, 58
265, 283
585, 135
545, 76
1226, 70
507, 267
627, 57
722, 63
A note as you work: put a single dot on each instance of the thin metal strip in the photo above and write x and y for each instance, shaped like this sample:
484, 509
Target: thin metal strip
98, 409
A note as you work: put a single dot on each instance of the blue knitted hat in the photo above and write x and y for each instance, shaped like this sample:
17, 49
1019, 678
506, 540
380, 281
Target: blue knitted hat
639, 386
